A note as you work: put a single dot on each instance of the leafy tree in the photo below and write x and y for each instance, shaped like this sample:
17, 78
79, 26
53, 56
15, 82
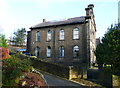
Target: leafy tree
3, 41
108, 52
20, 36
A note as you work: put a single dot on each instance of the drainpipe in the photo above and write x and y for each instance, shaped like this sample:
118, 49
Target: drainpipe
54, 52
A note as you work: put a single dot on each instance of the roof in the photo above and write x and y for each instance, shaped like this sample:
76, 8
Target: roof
75, 20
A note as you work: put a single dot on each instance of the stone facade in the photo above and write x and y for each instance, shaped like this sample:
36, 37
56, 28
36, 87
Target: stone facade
85, 41
97, 41
119, 12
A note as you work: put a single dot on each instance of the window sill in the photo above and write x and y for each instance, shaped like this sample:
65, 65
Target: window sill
61, 40
76, 39
48, 40
48, 57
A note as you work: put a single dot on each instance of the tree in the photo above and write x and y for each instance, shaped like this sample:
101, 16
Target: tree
3, 41
108, 52
20, 36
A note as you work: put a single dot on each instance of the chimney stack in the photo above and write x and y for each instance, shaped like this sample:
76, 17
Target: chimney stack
44, 20
89, 10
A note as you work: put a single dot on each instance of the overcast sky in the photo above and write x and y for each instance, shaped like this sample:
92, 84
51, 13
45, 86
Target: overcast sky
16, 14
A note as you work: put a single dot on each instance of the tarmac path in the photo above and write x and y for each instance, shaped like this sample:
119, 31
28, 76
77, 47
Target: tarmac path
59, 82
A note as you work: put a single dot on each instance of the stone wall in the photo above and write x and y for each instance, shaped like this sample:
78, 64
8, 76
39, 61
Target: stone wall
52, 68
78, 71
116, 81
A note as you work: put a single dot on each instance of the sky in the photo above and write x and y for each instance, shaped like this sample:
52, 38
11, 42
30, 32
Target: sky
15, 14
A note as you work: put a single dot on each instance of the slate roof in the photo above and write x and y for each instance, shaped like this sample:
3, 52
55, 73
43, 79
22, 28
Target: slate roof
75, 20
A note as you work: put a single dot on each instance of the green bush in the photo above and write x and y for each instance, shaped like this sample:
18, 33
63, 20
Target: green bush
12, 69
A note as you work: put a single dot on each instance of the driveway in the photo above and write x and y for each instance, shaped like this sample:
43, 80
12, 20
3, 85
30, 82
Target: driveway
56, 81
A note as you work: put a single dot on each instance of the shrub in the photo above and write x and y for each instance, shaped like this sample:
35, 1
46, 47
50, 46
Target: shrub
13, 68
4, 53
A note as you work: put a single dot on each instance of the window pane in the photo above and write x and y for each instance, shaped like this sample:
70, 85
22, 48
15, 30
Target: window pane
76, 37
48, 51
76, 51
62, 34
37, 49
61, 51
38, 36
76, 33
49, 35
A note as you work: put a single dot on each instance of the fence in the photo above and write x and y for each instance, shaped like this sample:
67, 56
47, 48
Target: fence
102, 76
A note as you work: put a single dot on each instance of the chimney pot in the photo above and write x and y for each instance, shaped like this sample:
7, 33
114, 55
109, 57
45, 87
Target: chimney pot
91, 5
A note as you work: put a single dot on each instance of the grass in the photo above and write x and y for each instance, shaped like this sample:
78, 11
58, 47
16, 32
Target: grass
87, 83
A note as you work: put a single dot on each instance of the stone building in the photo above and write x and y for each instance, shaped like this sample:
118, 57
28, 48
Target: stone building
97, 41
69, 42
119, 12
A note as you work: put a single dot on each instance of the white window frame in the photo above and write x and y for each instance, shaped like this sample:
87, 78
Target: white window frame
62, 34
37, 36
76, 33
62, 51
37, 51
48, 51
49, 35
76, 51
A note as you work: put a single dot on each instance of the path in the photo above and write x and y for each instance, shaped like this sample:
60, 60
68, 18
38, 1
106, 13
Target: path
57, 81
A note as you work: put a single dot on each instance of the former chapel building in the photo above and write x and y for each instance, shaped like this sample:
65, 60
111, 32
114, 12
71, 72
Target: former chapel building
67, 42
